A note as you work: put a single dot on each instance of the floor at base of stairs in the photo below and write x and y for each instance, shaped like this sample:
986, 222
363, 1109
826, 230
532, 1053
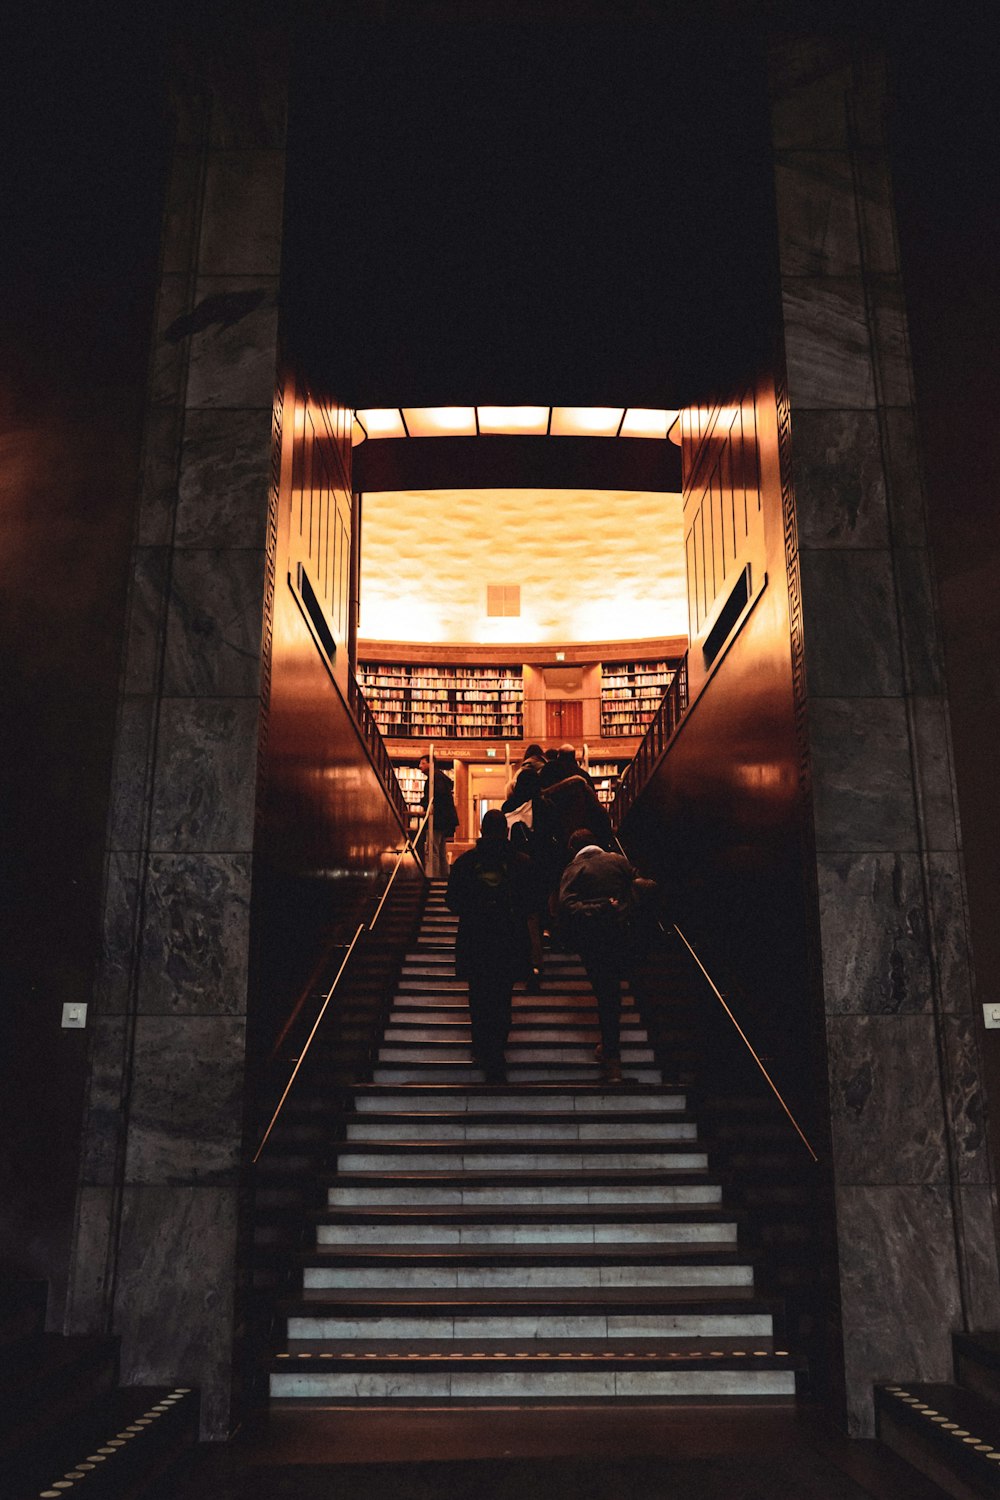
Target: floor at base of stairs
700, 1453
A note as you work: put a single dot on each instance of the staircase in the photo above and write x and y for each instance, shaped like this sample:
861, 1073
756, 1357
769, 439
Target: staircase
551, 1238
950, 1431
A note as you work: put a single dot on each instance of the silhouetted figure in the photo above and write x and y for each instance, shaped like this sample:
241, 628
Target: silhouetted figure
596, 896
488, 890
445, 817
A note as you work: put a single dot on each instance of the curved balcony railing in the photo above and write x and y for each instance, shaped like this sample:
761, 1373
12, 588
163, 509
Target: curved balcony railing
661, 731
380, 758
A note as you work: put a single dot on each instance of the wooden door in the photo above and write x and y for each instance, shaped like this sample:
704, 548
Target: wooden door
564, 719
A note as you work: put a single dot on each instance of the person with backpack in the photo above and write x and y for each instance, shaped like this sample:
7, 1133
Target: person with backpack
489, 890
596, 896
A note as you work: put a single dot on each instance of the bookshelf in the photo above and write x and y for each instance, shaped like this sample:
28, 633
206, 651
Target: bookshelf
605, 775
416, 702
411, 781
631, 692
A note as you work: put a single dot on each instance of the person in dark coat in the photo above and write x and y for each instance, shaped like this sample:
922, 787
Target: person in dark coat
489, 892
445, 817
525, 786
596, 896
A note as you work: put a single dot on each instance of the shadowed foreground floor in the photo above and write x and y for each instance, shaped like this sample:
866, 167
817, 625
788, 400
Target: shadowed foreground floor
706, 1453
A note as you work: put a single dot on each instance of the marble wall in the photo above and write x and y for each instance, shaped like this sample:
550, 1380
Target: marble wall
914, 1194
155, 1250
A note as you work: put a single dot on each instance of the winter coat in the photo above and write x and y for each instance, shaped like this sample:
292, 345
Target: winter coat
489, 890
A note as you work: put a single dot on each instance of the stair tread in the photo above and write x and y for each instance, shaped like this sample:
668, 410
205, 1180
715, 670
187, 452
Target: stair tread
680, 1347
528, 1213
963, 1428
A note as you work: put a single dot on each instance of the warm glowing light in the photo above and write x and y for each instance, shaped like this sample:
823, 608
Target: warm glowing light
529, 420
647, 422
440, 421
382, 422
612, 567
586, 421
674, 432
358, 433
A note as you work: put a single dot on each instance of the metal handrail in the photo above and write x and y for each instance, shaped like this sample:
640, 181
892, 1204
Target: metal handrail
662, 727
742, 1034
408, 847
746, 1041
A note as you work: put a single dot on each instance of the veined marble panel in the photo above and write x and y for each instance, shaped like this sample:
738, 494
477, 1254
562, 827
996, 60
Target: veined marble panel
818, 232
195, 938
166, 382
206, 774
862, 788
875, 211
924, 666
950, 931
89, 1282
840, 498
146, 618
132, 770
224, 479
118, 936
233, 335
887, 1112
892, 343
186, 1100
979, 1250
965, 1097
850, 623
175, 1292
241, 220
934, 773
899, 1289
907, 503
826, 342
103, 1119
214, 623
874, 934
158, 483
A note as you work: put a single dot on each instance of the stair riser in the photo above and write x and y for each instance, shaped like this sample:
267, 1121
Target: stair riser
516, 1073
414, 1195
536, 1161
536, 1130
538, 1326
530, 1276
523, 1234
583, 1102
587, 1384
517, 1055
520, 1035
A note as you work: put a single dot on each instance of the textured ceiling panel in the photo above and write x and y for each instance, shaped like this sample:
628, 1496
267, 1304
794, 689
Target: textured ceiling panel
593, 565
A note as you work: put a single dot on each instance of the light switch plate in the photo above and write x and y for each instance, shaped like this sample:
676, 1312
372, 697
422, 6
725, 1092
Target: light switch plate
991, 1017
74, 1016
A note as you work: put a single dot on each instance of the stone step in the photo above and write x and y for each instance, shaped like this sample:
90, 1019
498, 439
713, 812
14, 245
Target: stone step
436, 1053
632, 1370
527, 1100
499, 1155
665, 1125
949, 1434
551, 1225
708, 1264
397, 1073
572, 1313
508, 1188
522, 1033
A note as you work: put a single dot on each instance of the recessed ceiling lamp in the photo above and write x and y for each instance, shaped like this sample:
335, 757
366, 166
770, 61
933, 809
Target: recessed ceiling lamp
520, 421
